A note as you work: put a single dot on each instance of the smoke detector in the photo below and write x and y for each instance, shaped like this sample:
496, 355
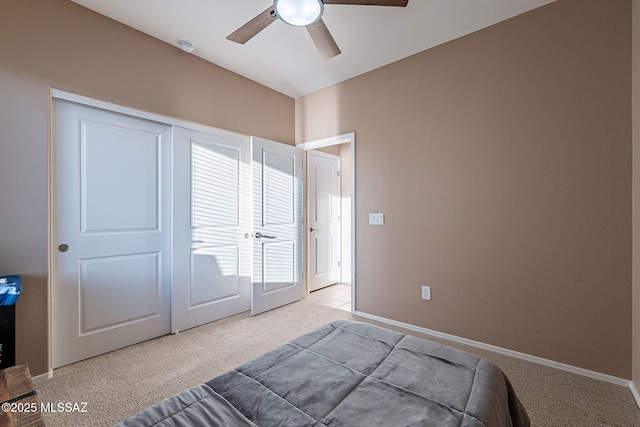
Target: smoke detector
186, 45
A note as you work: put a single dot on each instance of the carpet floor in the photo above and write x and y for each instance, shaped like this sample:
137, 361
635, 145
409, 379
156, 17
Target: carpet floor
119, 384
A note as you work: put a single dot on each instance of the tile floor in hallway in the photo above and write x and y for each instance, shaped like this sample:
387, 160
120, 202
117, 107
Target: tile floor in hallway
335, 296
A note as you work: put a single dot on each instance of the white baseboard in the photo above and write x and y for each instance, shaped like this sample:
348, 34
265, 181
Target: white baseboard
512, 353
42, 377
634, 391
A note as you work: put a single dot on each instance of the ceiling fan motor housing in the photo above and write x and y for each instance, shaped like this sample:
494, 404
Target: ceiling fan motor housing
299, 13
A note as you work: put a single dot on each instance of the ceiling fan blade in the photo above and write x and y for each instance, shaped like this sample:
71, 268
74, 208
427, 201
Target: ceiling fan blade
253, 27
323, 40
398, 3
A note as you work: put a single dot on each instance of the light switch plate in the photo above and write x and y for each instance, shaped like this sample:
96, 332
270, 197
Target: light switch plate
376, 219
426, 293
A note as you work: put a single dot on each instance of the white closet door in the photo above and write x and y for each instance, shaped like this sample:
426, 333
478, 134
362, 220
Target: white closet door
212, 227
277, 225
111, 231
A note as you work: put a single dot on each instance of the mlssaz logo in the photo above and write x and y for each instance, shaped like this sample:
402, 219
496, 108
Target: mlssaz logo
64, 407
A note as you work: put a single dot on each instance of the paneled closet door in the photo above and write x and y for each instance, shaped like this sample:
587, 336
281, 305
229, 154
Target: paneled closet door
155, 229
111, 231
277, 225
212, 227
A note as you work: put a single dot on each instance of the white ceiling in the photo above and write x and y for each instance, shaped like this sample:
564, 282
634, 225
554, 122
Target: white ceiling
284, 58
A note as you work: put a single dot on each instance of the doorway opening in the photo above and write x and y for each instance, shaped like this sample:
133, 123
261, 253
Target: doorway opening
341, 292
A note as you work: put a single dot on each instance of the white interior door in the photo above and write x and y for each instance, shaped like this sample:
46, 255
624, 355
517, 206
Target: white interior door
323, 234
111, 231
212, 227
277, 225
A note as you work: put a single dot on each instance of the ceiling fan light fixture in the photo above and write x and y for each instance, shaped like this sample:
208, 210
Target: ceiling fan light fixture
299, 13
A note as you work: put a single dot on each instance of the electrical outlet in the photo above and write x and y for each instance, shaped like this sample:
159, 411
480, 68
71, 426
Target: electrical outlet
426, 293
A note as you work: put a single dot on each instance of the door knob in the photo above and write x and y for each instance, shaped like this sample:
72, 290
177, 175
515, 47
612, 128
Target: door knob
260, 236
313, 229
63, 247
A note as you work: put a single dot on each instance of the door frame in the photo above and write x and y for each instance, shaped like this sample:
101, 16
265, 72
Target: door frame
347, 138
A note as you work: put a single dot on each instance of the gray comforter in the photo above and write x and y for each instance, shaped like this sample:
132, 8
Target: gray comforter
349, 374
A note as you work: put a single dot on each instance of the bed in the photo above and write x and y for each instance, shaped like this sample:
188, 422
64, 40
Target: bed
348, 373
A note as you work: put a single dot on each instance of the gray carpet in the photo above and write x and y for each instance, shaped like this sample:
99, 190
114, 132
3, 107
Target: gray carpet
117, 385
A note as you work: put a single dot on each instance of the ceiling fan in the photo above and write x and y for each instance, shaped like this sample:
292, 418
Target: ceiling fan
304, 13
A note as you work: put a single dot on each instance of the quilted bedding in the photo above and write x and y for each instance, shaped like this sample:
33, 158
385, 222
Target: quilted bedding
348, 374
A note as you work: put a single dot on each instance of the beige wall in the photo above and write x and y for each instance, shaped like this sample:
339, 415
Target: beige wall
502, 162
56, 43
636, 193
